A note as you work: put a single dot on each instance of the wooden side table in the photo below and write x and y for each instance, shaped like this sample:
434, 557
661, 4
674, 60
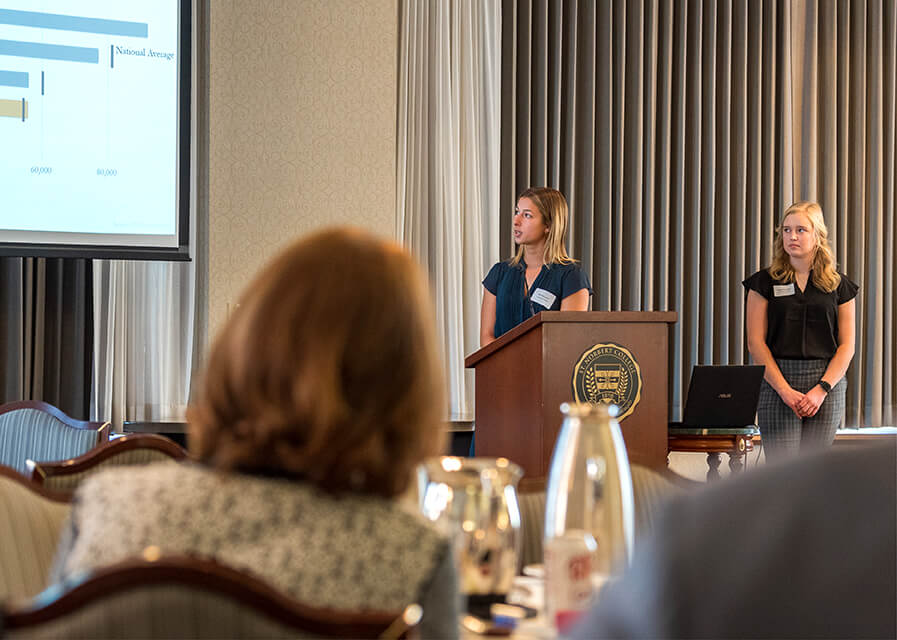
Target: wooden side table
176, 431
737, 442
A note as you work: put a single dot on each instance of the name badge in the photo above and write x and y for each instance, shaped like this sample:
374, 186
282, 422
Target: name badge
543, 297
779, 290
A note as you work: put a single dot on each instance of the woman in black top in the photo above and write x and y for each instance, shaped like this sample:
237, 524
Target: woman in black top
801, 316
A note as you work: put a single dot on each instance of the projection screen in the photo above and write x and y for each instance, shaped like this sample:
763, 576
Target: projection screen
95, 128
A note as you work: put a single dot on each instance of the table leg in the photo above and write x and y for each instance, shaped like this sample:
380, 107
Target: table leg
736, 463
713, 462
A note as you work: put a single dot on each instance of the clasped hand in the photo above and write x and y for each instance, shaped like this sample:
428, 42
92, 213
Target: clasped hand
806, 404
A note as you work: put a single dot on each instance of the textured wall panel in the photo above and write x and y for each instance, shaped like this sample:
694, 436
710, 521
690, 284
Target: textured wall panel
303, 133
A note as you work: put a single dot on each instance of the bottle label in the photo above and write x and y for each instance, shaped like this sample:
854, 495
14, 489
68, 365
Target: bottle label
568, 577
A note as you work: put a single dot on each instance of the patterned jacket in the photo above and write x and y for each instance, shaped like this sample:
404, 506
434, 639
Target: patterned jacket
351, 552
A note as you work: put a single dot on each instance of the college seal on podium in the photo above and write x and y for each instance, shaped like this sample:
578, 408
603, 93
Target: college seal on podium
608, 374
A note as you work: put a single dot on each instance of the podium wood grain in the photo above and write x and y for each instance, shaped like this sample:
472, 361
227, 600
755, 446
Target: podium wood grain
523, 377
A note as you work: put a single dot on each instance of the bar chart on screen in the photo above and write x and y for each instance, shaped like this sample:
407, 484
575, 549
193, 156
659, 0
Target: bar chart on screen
88, 106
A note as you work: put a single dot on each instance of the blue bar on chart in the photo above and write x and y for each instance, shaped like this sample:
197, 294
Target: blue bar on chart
42, 83
49, 51
73, 23
14, 79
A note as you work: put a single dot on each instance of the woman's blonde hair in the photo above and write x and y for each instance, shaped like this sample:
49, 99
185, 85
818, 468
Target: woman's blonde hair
328, 371
825, 274
553, 207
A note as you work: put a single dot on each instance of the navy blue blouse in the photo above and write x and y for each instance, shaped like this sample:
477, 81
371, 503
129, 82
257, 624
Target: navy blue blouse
513, 304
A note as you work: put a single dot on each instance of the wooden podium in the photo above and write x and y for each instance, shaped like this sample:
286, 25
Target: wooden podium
523, 377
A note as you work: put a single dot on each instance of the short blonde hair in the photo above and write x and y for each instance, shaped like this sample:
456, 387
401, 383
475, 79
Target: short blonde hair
328, 370
552, 204
825, 274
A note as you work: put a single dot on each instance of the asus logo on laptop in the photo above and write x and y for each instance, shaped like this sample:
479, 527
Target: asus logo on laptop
725, 396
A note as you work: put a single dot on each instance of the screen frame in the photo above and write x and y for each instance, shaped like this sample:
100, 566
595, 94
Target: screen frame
181, 252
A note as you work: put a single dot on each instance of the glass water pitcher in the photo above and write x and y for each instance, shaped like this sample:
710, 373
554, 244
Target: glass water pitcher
475, 501
589, 510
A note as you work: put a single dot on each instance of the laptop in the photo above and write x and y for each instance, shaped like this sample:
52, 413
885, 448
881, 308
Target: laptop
723, 396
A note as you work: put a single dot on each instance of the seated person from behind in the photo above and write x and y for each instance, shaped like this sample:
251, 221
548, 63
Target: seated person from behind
798, 550
322, 393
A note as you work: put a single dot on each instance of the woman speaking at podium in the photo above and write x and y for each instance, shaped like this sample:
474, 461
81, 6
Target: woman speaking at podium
541, 276
801, 315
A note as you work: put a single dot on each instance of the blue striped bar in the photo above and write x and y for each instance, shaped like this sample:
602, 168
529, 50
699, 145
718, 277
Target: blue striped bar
14, 79
48, 51
73, 23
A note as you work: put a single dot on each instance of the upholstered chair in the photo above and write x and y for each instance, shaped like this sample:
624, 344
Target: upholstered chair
31, 521
651, 490
32, 430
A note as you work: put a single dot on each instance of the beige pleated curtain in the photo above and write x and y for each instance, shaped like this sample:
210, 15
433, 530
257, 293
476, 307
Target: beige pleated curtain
447, 165
680, 131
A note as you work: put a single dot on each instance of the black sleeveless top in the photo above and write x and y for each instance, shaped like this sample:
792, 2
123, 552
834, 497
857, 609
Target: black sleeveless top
801, 325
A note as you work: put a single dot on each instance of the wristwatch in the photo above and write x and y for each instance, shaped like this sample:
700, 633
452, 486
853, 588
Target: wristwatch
825, 385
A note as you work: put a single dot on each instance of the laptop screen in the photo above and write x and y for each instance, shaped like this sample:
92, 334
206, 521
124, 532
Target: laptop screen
723, 396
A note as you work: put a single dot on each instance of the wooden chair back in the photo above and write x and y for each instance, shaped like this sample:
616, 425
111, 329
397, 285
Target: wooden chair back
186, 597
133, 449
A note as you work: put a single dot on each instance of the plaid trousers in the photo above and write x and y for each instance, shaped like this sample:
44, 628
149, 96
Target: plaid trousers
782, 432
